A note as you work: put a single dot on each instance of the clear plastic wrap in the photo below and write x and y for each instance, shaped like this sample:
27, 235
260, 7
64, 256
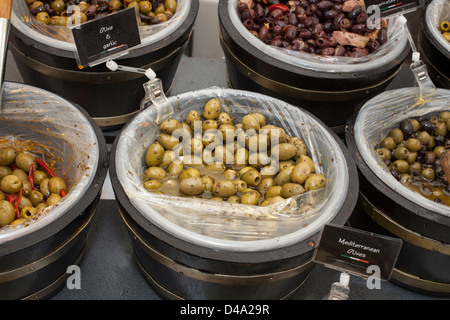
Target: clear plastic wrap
437, 11
383, 113
225, 225
396, 43
61, 37
55, 130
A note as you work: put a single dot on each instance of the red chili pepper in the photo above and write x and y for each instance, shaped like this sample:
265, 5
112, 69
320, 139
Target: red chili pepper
62, 193
11, 198
280, 6
16, 205
30, 177
45, 167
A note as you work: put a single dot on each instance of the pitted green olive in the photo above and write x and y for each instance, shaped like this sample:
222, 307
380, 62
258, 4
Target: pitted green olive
250, 196
27, 212
252, 178
241, 185
35, 197
11, 184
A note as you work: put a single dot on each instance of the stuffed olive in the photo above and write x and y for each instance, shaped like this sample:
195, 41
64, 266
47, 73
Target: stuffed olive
27, 186
69, 12
208, 155
412, 152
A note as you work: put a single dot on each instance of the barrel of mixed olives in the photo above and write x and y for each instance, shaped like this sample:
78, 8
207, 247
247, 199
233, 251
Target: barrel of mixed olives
110, 98
233, 245
434, 48
327, 86
36, 252
410, 205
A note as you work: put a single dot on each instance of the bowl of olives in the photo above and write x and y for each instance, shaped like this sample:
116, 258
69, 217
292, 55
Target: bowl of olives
53, 162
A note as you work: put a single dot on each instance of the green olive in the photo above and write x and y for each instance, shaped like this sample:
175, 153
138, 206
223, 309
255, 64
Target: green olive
284, 151
266, 184
234, 199
7, 156
208, 182
444, 116
58, 5
412, 156
413, 144
168, 157
170, 125
212, 108
2, 196
115, 5
274, 191
216, 167
424, 137
209, 124
268, 171
20, 173
258, 159
252, 178
272, 200
192, 186
11, 184
175, 168
189, 173
388, 143
226, 131
428, 173
241, 157
401, 153
43, 188
415, 125
401, 166
284, 176
17, 222
38, 176
259, 117
224, 188
168, 141
397, 135
41, 206
224, 118
4, 171
43, 17
35, 197
54, 198
25, 160
250, 122
415, 166
223, 155
439, 150
301, 172
152, 184
250, 196
384, 153
7, 213
231, 174
300, 145
156, 173
56, 184
27, 212
193, 119
241, 185
145, 7
291, 189
315, 181
440, 128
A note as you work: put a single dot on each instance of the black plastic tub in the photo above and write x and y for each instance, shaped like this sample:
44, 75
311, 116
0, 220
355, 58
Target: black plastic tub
35, 256
110, 97
387, 208
329, 91
181, 262
433, 48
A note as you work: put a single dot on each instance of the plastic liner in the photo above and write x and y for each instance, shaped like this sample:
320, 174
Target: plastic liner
53, 129
61, 37
397, 41
224, 225
437, 11
381, 114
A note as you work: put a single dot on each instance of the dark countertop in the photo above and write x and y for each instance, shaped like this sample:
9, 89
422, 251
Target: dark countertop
108, 268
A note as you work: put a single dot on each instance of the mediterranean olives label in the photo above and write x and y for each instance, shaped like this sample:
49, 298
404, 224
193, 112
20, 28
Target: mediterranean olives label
392, 7
106, 38
358, 252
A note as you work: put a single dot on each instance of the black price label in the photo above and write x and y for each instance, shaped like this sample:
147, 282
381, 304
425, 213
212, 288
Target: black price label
103, 38
392, 7
357, 252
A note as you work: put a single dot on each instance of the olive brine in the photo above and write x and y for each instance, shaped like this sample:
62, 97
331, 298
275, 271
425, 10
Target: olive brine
209, 156
412, 151
70, 12
27, 186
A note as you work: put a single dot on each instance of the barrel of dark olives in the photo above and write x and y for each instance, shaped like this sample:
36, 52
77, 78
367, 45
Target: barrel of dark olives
328, 86
434, 48
35, 254
405, 196
48, 60
226, 247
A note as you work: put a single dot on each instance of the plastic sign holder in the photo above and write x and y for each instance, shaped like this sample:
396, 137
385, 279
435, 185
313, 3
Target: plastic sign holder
387, 8
106, 38
357, 252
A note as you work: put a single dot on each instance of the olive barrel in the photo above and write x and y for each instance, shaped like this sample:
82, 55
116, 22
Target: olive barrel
434, 49
35, 256
328, 91
234, 257
110, 97
422, 265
